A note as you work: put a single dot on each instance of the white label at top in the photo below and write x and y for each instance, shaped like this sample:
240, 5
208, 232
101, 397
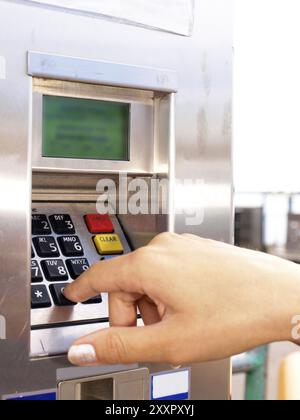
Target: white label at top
171, 384
170, 15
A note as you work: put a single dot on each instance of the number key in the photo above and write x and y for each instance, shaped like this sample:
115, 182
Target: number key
46, 247
58, 297
70, 246
54, 270
77, 266
62, 224
36, 274
40, 225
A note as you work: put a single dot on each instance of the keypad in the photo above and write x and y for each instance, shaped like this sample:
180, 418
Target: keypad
58, 254
62, 224
40, 297
55, 270
71, 246
46, 247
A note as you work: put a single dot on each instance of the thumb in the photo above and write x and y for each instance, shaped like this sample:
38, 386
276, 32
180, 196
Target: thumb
115, 346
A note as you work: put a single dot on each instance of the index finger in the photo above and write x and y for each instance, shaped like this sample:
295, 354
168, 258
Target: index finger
116, 275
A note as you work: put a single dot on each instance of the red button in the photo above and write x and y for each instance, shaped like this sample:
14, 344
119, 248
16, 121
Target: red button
99, 223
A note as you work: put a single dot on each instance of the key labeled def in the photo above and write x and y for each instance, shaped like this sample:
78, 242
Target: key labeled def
62, 224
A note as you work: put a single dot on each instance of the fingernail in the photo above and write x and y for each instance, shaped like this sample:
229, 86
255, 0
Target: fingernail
82, 355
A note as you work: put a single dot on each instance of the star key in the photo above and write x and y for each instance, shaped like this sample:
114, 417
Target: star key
40, 297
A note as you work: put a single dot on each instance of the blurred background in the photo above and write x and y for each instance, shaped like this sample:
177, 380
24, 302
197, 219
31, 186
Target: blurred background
266, 157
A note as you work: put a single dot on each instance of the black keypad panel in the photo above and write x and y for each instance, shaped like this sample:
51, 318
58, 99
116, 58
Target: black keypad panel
58, 297
55, 270
77, 266
62, 224
40, 225
57, 258
40, 297
36, 274
46, 247
70, 246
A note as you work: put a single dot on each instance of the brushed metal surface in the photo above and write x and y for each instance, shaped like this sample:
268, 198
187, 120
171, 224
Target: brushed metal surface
57, 341
173, 16
203, 63
131, 385
48, 66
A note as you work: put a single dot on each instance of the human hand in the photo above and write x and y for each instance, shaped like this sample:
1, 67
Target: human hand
200, 300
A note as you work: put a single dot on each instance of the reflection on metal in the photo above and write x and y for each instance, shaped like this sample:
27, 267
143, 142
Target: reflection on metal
101, 72
175, 16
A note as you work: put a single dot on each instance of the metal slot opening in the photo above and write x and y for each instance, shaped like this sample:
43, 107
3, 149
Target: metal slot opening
100, 390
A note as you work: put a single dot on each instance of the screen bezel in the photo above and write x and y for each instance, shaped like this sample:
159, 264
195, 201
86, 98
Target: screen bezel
141, 152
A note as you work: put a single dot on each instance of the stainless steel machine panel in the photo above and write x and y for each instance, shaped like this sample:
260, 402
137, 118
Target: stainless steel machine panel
191, 147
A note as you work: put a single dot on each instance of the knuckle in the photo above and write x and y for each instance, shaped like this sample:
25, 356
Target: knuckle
94, 269
91, 277
138, 257
165, 237
190, 236
116, 352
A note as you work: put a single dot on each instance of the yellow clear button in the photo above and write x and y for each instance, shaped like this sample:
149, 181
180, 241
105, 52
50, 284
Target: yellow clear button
108, 244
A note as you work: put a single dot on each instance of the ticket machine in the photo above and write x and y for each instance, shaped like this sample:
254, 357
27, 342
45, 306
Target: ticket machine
94, 97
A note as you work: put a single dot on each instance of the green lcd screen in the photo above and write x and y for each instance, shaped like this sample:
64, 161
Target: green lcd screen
85, 129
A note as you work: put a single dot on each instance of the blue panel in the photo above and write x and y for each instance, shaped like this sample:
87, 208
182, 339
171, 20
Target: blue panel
171, 385
178, 397
38, 397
